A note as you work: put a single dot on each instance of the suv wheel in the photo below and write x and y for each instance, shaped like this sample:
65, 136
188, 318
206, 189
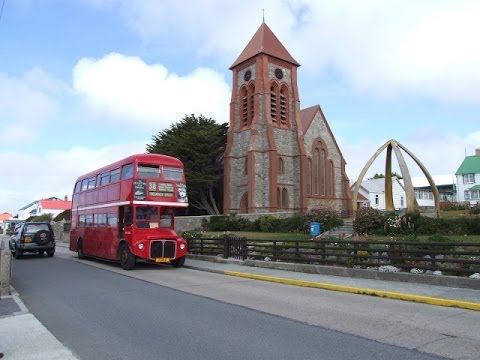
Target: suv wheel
42, 237
18, 253
50, 252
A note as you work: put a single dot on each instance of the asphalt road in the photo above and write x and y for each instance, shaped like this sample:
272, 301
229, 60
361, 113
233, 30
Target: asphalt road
100, 313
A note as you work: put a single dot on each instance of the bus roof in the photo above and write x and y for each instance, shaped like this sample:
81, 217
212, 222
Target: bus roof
136, 158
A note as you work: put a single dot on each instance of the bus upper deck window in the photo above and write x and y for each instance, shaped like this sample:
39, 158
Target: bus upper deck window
171, 173
148, 171
127, 171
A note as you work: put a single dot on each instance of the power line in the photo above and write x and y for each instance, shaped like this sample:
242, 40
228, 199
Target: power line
1, 10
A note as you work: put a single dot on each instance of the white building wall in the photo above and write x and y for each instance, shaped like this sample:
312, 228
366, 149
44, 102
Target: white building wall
380, 204
461, 188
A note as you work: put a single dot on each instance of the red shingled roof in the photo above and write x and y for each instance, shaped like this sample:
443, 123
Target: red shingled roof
264, 42
55, 204
5, 216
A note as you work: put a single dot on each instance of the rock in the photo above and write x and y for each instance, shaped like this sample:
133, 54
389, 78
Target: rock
388, 269
437, 272
267, 259
416, 271
475, 276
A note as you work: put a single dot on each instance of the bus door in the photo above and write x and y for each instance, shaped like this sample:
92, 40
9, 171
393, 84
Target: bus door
125, 221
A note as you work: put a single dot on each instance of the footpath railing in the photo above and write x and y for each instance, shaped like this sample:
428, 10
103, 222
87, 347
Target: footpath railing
454, 258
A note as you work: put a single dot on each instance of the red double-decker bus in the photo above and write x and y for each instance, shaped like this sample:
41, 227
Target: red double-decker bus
125, 211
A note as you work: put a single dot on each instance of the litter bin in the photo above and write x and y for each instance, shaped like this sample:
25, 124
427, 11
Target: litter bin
314, 228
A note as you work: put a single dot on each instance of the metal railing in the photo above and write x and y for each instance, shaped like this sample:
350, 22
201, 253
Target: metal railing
456, 258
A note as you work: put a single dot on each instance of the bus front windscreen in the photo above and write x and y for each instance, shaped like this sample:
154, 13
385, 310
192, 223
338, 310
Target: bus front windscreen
151, 217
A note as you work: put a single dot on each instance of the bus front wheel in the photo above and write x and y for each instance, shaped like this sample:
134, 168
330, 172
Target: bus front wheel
127, 259
178, 262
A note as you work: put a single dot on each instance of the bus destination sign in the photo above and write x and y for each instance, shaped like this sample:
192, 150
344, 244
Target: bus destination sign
140, 189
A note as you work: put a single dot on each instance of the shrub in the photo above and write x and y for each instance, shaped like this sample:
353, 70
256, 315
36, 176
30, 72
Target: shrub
475, 210
268, 223
291, 224
368, 220
228, 223
326, 216
40, 218
191, 235
452, 206
65, 215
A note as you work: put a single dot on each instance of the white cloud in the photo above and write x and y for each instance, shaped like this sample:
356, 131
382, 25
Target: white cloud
26, 102
383, 48
130, 89
37, 176
441, 154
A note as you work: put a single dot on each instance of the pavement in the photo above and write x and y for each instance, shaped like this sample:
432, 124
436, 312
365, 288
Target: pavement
15, 319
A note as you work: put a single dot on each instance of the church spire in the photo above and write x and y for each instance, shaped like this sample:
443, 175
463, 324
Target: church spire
264, 42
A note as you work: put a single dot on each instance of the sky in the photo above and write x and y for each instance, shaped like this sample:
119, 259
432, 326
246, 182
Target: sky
86, 82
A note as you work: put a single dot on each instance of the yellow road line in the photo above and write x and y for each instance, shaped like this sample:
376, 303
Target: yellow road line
354, 290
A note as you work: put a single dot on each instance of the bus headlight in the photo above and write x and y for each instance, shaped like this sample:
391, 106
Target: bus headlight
182, 246
140, 246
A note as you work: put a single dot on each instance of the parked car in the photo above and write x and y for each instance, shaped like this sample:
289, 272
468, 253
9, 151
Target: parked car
32, 237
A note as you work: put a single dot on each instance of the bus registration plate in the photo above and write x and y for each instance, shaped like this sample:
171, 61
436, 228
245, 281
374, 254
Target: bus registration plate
162, 260
27, 239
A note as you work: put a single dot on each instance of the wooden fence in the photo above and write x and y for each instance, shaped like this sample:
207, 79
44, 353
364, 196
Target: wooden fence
453, 258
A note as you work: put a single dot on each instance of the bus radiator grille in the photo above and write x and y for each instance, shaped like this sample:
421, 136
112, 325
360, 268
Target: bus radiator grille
163, 249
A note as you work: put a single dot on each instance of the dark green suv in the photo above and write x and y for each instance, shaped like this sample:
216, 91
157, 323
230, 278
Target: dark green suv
33, 237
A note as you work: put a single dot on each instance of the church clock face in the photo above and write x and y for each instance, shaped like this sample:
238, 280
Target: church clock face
247, 75
278, 73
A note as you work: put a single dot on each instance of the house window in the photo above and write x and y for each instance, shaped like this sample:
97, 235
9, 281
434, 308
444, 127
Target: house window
251, 103
323, 171
284, 106
474, 194
316, 159
468, 178
281, 166
466, 195
244, 203
331, 176
309, 176
273, 102
244, 97
376, 199
401, 201
279, 105
282, 198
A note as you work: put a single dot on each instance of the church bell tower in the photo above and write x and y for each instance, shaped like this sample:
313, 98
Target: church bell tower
265, 160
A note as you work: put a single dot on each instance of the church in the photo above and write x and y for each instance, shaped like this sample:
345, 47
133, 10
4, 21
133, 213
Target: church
278, 158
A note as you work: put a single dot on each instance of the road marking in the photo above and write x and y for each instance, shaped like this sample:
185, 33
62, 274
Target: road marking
354, 290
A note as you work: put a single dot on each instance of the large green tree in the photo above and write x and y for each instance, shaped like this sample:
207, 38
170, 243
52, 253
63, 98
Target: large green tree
199, 142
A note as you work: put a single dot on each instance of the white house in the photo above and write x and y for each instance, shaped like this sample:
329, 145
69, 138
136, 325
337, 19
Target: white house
423, 193
51, 205
374, 191
468, 179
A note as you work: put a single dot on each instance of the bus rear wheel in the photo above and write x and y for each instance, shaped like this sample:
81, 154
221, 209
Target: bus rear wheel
127, 259
80, 253
178, 262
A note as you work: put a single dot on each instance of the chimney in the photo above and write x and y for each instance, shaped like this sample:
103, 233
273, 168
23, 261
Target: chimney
477, 152
66, 197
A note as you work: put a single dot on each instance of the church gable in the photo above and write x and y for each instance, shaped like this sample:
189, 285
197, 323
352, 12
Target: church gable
326, 178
